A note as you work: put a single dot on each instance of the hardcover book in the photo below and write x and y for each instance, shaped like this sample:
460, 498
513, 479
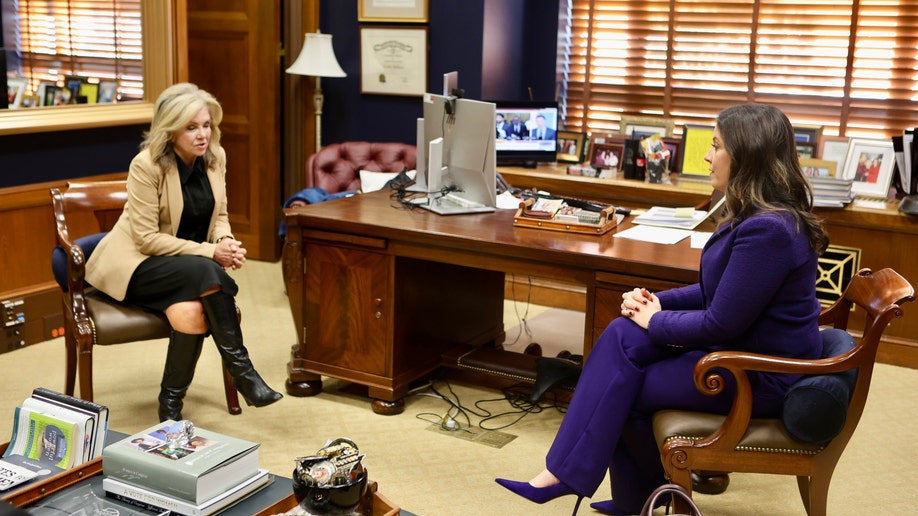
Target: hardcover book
152, 500
208, 464
50, 440
98, 412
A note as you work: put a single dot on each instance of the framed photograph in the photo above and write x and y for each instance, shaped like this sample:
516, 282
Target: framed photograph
108, 91
808, 134
817, 167
570, 146
29, 101
402, 11
15, 89
642, 127
90, 91
696, 140
73, 83
674, 146
607, 155
806, 150
393, 60
54, 95
870, 164
834, 148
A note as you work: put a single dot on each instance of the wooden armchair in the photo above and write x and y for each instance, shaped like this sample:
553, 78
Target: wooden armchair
91, 317
699, 441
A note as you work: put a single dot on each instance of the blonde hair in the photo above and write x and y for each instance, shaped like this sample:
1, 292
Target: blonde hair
176, 106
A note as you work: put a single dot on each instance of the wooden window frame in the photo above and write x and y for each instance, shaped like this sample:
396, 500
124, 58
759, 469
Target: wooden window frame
163, 59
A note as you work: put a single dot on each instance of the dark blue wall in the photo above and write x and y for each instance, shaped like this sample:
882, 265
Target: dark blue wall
521, 55
525, 51
62, 155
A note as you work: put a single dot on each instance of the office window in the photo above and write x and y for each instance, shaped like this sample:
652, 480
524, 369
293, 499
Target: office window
848, 65
100, 40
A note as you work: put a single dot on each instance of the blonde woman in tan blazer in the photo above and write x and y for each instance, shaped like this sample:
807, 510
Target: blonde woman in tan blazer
170, 248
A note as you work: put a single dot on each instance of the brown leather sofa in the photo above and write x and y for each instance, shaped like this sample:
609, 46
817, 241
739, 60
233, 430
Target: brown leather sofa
336, 168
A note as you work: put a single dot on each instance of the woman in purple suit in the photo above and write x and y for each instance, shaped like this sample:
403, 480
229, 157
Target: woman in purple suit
756, 292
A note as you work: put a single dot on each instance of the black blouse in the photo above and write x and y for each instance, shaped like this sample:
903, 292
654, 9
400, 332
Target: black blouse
198, 201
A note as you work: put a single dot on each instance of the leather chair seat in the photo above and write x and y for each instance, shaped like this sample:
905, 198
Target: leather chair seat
763, 434
115, 323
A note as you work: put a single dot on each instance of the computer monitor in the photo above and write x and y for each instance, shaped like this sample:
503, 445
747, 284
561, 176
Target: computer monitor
466, 171
526, 132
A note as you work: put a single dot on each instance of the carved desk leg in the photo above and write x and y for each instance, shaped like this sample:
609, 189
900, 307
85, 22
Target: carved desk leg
299, 381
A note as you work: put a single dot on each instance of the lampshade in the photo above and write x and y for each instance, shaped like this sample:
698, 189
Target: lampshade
317, 58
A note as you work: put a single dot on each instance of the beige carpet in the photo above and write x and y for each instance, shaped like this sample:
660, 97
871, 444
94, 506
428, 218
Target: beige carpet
436, 473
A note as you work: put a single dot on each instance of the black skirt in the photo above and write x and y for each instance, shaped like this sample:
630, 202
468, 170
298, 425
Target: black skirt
161, 281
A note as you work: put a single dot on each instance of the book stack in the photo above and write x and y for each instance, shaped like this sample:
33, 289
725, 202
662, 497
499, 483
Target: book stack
831, 192
53, 432
165, 468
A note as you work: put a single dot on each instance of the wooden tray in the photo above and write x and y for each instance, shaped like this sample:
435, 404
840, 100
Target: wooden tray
607, 221
33, 492
372, 503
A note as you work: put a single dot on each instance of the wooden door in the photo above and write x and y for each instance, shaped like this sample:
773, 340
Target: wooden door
234, 53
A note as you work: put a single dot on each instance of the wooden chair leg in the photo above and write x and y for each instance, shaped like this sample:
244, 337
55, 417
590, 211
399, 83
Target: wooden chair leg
70, 368
232, 395
683, 477
84, 365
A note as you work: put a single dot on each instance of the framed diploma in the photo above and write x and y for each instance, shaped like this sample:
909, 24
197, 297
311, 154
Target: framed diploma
402, 11
393, 60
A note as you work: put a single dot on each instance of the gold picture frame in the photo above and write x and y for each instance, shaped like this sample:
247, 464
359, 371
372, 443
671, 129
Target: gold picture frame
813, 167
570, 146
404, 11
641, 127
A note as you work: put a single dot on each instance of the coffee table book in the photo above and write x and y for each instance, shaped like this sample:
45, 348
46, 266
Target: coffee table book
152, 500
209, 464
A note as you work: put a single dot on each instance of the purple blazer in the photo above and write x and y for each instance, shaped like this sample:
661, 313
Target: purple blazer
756, 292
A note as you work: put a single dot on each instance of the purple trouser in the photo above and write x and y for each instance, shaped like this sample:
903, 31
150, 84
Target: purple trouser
608, 425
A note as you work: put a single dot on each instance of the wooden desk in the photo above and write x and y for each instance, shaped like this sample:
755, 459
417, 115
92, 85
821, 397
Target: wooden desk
879, 238
380, 293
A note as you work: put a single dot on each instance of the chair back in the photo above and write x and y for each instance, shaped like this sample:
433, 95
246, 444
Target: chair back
880, 295
86, 208
336, 167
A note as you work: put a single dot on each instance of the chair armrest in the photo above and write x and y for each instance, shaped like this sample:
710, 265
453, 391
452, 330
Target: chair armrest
709, 380
75, 297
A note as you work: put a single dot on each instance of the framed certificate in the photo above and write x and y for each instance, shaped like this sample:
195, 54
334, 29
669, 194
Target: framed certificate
402, 11
393, 60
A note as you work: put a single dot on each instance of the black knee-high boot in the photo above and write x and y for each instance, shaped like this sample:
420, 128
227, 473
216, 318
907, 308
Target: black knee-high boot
220, 310
181, 358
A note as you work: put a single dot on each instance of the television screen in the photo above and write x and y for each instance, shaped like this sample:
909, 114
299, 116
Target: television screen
526, 132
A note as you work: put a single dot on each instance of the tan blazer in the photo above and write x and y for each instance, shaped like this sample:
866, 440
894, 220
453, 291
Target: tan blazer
149, 222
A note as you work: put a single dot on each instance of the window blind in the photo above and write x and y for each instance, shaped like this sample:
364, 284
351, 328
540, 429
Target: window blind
850, 66
99, 40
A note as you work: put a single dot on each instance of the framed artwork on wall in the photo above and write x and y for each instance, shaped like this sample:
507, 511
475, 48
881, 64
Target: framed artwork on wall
402, 11
870, 164
393, 60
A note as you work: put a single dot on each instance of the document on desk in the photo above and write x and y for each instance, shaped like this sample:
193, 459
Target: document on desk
655, 234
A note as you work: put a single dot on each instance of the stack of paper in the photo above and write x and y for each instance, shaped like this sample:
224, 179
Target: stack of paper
831, 192
681, 218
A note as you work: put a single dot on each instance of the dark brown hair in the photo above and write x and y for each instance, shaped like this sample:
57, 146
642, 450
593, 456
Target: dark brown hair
765, 173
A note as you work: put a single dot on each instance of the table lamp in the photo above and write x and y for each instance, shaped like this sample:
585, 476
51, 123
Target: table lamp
318, 60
